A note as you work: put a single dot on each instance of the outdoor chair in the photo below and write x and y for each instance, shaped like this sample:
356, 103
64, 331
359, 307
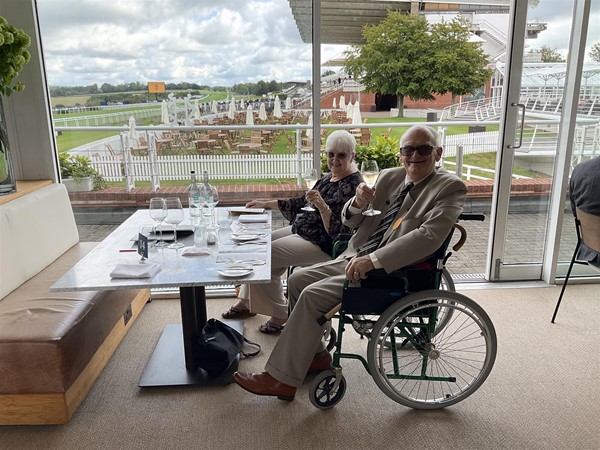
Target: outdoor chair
202, 147
229, 148
365, 137
587, 227
111, 151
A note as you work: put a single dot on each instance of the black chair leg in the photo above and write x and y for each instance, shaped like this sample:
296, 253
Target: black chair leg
562, 291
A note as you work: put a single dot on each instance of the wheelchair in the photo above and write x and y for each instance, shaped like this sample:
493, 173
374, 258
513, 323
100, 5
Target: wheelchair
428, 346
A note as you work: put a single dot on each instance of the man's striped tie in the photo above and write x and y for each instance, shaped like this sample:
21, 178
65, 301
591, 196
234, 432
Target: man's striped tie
375, 240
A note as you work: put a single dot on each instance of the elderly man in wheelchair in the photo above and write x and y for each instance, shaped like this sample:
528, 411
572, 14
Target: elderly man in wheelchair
419, 205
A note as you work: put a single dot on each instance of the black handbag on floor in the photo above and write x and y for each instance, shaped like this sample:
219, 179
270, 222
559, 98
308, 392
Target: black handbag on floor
219, 345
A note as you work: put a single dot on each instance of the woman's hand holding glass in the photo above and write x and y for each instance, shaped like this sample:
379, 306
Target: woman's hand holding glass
174, 217
310, 177
158, 213
370, 171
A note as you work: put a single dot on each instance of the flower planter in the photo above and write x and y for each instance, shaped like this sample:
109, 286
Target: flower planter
85, 184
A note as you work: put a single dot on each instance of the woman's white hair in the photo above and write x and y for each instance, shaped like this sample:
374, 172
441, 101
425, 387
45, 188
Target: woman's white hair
341, 140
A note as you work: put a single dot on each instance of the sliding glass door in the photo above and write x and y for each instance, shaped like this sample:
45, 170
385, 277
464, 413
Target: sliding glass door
538, 130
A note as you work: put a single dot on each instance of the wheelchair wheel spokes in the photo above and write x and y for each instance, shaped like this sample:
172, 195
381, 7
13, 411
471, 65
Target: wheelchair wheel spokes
445, 314
441, 366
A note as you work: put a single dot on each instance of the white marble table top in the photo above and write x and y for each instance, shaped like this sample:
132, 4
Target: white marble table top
92, 271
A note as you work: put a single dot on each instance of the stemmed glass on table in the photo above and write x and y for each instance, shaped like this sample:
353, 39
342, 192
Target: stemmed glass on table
174, 217
370, 171
310, 178
210, 197
158, 213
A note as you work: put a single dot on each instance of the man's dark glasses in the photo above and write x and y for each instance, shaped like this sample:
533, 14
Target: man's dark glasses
422, 150
339, 155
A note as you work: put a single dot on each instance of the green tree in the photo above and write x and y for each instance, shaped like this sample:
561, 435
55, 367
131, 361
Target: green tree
460, 65
551, 54
407, 57
595, 52
395, 59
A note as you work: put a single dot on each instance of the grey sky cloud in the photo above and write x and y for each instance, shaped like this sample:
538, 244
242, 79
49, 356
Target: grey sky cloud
204, 41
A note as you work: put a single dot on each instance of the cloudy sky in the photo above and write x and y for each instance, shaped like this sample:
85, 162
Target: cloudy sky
216, 42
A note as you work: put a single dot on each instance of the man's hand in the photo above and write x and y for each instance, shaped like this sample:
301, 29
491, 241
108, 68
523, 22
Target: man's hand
358, 267
364, 195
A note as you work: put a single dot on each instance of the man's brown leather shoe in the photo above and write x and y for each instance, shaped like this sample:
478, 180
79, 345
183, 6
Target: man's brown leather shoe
264, 384
321, 362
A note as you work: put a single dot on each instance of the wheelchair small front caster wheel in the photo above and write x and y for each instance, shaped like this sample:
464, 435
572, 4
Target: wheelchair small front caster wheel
323, 393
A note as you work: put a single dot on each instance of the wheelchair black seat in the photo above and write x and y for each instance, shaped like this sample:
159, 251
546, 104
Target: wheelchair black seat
379, 290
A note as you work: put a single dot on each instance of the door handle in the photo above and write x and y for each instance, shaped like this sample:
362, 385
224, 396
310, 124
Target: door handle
522, 106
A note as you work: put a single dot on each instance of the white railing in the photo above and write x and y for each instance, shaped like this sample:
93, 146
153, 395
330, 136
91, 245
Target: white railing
480, 110
485, 142
108, 118
220, 167
467, 172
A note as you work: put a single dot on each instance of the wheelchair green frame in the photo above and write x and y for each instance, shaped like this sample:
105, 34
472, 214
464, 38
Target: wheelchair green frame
428, 348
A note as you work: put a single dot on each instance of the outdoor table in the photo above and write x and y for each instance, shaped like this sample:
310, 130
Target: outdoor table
249, 147
172, 362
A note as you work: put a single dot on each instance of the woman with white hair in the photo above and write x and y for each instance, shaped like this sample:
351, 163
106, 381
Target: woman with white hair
309, 237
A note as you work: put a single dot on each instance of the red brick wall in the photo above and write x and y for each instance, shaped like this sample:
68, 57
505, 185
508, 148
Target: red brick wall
367, 99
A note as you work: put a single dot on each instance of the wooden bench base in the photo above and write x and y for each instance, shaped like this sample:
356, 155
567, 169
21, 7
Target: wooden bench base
58, 408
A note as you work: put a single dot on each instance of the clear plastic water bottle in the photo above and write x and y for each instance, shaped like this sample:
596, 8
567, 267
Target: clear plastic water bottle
194, 197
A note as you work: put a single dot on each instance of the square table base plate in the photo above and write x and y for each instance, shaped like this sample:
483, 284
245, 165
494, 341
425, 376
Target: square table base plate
167, 364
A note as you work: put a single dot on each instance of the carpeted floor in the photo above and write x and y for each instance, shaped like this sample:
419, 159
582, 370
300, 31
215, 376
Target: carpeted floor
543, 393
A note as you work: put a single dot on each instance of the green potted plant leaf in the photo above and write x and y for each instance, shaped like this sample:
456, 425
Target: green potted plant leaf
13, 56
77, 173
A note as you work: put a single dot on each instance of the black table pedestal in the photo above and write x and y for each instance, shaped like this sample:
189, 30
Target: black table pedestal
172, 363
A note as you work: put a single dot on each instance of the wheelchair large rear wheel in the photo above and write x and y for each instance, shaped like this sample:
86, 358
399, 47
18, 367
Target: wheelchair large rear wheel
441, 366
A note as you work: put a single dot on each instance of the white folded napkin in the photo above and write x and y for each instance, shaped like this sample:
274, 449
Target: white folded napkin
253, 218
243, 209
139, 270
195, 251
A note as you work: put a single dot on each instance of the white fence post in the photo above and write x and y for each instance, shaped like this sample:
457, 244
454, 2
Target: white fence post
129, 178
155, 179
459, 160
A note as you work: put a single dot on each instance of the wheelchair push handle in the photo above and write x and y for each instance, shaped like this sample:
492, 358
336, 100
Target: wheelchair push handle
463, 233
327, 316
465, 216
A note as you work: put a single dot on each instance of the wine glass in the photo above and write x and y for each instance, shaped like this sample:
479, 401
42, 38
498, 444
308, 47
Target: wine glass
310, 178
224, 218
215, 201
174, 217
210, 197
158, 213
370, 171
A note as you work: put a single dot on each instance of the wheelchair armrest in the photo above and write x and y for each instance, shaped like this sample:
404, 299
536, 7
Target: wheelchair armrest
340, 244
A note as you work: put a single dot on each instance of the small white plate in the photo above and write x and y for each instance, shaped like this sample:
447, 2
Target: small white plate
244, 237
235, 273
239, 266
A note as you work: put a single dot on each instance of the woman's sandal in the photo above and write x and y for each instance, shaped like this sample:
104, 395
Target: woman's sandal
233, 313
270, 328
